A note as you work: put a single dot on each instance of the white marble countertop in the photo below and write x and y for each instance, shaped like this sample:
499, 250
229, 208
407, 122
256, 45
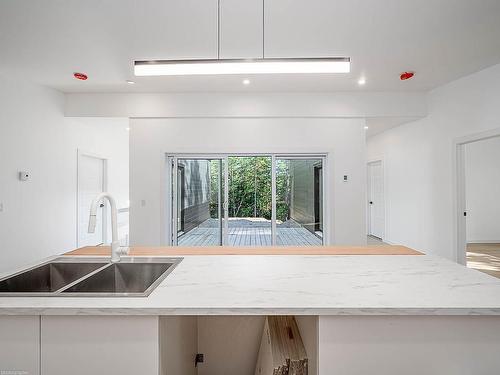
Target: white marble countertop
307, 285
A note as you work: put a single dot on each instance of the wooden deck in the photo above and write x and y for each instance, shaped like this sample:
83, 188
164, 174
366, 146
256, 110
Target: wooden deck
250, 236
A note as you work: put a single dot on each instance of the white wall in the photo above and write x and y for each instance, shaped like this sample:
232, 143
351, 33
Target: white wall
109, 138
39, 215
343, 139
418, 161
482, 171
399, 106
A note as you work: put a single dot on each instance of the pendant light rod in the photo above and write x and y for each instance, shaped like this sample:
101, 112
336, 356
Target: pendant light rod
263, 29
218, 29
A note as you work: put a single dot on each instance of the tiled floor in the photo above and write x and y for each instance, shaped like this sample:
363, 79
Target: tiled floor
484, 258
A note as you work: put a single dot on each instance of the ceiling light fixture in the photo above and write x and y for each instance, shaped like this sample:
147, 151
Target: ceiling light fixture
246, 81
361, 81
366, 127
130, 82
257, 66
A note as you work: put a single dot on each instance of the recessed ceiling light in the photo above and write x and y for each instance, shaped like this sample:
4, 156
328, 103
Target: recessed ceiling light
361, 81
127, 129
236, 66
246, 81
366, 127
130, 82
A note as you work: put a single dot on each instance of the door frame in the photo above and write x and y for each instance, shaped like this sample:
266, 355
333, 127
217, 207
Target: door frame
368, 191
459, 194
168, 216
82, 153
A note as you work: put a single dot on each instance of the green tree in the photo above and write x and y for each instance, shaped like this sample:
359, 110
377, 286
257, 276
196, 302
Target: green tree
250, 187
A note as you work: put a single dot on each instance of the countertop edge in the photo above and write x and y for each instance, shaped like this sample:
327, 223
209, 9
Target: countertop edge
252, 311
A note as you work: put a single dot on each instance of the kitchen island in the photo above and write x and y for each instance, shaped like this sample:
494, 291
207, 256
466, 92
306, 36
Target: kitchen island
389, 305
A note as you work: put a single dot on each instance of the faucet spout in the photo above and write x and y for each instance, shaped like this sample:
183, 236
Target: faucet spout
115, 243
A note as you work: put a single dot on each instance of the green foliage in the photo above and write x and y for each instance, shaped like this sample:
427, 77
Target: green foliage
283, 190
250, 187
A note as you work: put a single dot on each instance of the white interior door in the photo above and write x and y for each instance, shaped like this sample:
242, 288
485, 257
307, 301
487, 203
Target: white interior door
376, 211
91, 182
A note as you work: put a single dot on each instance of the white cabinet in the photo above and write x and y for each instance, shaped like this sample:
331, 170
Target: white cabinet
99, 345
312, 28
241, 30
187, 29
410, 345
20, 345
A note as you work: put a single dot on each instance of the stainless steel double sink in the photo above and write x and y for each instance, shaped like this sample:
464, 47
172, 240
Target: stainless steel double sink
89, 277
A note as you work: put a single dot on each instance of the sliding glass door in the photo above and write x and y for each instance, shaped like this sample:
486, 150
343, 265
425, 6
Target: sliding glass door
247, 200
197, 201
299, 201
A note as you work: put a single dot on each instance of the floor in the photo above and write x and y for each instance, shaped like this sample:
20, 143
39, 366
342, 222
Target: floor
374, 241
484, 257
249, 232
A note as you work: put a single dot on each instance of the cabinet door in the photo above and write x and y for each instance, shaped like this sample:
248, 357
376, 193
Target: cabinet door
175, 29
312, 28
20, 345
99, 345
410, 345
240, 25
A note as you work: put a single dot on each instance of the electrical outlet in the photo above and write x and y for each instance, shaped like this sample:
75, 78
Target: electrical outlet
198, 359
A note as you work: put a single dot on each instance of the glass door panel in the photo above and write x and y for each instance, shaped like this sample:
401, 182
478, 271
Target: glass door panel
299, 201
250, 201
197, 203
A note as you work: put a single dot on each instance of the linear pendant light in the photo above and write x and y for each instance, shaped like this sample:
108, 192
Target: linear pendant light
226, 66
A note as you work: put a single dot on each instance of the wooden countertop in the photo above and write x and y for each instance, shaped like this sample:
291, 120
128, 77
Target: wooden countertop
271, 250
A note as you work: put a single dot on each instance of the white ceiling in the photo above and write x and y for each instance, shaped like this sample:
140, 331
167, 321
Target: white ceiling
46, 41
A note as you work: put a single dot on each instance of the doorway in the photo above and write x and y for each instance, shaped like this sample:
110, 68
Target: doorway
376, 204
91, 181
246, 200
478, 190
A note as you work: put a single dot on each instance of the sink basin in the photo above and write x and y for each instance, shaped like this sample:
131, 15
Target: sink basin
47, 278
123, 279
84, 277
